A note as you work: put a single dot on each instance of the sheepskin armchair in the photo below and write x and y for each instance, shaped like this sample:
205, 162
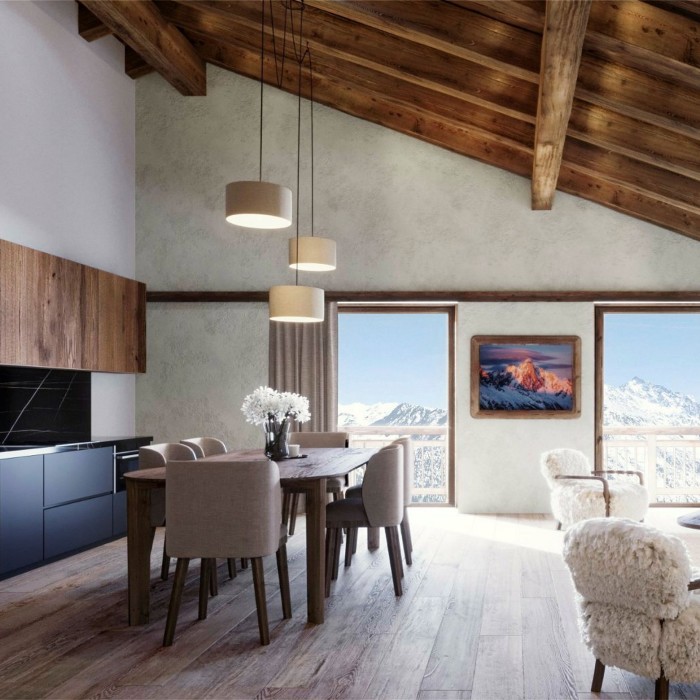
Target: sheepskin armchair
637, 612
577, 492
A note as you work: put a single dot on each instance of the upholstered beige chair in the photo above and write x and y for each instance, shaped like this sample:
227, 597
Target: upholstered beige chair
205, 446
381, 505
334, 486
636, 609
409, 461
152, 457
578, 492
225, 509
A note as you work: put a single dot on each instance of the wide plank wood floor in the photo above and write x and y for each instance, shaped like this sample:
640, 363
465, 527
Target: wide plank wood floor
487, 612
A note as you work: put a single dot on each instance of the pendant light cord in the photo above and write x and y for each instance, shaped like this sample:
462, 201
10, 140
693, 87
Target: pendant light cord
262, 82
311, 96
296, 276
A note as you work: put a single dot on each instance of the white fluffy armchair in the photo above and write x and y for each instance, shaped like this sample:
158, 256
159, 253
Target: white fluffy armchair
578, 492
637, 612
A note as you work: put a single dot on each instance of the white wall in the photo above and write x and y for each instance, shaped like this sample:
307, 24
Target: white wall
67, 166
406, 216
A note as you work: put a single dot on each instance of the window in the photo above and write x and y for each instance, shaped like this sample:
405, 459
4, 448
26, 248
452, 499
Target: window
395, 365
648, 397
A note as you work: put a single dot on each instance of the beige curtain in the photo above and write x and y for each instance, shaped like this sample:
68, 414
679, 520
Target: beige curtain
304, 359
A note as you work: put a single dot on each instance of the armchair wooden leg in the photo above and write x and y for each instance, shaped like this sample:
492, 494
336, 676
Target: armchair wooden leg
231, 568
293, 513
598, 674
392, 543
204, 586
175, 600
331, 540
244, 563
406, 538
350, 545
260, 601
283, 573
165, 564
661, 688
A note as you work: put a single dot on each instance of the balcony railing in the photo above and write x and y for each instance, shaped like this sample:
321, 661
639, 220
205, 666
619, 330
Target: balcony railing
430, 450
669, 458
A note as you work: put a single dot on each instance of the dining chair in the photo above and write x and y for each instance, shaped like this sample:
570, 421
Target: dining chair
381, 505
409, 461
577, 492
152, 457
636, 609
205, 446
334, 485
225, 509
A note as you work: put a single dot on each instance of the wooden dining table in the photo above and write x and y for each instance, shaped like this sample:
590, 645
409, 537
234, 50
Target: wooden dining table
145, 491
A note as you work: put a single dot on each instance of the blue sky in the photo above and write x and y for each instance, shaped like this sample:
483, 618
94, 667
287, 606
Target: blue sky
392, 357
660, 348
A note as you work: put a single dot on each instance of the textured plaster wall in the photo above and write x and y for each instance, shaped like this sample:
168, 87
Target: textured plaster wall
68, 165
406, 216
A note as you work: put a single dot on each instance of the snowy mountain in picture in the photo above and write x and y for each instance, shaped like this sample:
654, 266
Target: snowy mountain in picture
390, 414
524, 387
641, 403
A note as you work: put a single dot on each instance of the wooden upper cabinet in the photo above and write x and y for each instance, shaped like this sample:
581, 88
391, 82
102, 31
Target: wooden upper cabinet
59, 313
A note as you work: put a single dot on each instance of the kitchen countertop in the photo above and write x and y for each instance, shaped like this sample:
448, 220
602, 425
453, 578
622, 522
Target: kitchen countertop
121, 443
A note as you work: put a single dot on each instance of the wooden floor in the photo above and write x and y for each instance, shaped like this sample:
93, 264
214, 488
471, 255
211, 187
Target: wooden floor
487, 612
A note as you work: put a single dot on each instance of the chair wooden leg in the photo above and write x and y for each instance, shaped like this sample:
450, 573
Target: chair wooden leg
406, 538
350, 545
204, 578
330, 555
231, 568
598, 674
558, 525
213, 579
354, 542
392, 543
286, 506
260, 601
661, 688
165, 564
336, 551
244, 563
175, 600
293, 513
283, 573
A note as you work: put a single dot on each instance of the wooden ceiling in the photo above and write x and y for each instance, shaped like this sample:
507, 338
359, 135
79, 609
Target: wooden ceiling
598, 99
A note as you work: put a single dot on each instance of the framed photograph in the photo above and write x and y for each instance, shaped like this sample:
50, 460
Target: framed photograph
532, 376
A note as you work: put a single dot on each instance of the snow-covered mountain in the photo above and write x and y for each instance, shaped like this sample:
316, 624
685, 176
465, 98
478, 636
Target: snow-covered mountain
641, 403
390, 414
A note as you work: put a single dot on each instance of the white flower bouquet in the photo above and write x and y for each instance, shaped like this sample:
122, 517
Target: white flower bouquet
275, 411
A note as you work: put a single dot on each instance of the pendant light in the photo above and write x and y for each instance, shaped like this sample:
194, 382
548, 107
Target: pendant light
312, 253
295, 303
258, 204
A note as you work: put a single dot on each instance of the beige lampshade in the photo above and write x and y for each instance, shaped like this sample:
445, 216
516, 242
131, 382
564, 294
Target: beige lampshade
315, 254
295, 304
256, 204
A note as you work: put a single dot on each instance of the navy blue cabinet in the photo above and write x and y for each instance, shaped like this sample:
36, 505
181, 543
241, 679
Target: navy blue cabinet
21, 512
77, 525
70, 476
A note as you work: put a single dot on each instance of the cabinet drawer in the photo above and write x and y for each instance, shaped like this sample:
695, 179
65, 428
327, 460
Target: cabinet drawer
77, 525
70, 476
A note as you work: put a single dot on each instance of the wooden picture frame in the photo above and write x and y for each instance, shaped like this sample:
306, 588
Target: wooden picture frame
525, 376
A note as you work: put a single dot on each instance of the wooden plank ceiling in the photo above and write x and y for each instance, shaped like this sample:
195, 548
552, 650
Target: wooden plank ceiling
598, 99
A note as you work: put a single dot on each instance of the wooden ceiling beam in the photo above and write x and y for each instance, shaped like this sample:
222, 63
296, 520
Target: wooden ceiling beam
336, 37
636, 139
443, 27
562, 43
139, 24
89, 26
528, 14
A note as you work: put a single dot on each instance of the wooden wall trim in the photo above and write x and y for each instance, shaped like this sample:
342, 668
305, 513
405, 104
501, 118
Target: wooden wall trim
442, 296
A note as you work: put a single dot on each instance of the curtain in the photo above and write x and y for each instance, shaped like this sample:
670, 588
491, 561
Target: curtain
304, 359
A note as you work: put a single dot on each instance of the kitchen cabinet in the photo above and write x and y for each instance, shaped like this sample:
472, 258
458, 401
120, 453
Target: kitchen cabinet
21, 512
77, 525
74, 475
58, 313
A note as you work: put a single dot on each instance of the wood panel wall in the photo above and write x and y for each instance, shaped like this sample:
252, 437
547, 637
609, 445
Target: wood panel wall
58, 313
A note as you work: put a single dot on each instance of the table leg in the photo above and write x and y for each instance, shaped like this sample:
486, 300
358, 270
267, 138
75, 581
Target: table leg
315, 548
373, 537
139, 537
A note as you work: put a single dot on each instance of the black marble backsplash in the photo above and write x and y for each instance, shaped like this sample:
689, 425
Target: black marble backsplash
43, 406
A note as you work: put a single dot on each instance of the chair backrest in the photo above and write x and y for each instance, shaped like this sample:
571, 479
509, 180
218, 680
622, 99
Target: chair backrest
382, 487
223, 509
205, 446
627, 564
409, 467
160, 454
563, 461
320, 439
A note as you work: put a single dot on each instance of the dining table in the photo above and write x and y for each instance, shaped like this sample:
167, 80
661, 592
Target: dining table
145, 491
